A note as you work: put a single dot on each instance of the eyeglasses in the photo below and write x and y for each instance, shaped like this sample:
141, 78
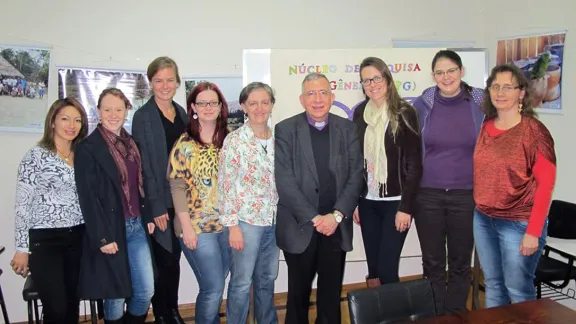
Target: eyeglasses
505, 89
206, 103
322, 93
449, 72
376, 79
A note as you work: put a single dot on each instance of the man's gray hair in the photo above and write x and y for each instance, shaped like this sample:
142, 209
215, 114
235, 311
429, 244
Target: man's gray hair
314, 76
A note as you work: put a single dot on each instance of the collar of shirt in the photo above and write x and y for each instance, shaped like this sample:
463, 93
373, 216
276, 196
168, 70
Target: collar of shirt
316, 124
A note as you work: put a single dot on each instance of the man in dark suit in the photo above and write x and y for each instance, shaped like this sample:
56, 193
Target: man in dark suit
318, 169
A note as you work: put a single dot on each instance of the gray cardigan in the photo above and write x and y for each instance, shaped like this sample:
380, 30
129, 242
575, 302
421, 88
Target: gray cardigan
148, 132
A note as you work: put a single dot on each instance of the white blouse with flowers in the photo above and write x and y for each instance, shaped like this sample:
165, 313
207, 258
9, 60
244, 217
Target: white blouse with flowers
246, 185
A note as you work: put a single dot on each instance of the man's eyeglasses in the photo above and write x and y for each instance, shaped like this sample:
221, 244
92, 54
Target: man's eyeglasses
376, 79
322, 93
505, 89
206, 103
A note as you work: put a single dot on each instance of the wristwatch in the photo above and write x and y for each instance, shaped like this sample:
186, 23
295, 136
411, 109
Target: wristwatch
338, 216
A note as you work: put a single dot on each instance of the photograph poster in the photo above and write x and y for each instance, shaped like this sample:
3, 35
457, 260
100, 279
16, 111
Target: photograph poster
230, 87
24, 75
541, 58
86, 85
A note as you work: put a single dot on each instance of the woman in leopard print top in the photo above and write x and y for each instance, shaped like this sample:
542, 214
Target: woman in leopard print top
193, 176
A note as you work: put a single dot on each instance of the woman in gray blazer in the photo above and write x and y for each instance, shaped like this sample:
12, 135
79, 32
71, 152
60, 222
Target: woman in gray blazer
155, 127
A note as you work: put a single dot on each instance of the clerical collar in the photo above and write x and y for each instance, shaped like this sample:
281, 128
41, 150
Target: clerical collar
316, 124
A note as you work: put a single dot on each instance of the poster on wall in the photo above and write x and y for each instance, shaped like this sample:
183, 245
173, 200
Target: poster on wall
541, 58
87, 84
24, 75
230, 87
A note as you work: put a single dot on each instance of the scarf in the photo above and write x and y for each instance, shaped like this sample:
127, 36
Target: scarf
374, 150
123, 147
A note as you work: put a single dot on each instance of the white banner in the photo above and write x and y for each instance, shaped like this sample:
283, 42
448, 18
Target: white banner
410, 69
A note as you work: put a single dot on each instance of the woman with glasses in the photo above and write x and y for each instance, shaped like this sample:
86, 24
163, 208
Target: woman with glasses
514, 177
450, 117
390, 140
193, 175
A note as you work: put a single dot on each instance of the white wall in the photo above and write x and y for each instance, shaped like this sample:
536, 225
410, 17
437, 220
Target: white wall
205, 38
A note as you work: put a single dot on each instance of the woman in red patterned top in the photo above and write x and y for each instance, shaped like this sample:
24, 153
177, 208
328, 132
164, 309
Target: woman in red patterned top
514, 176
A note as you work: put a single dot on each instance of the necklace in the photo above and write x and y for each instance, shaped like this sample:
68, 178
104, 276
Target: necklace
264, 147
67, 157
265, 140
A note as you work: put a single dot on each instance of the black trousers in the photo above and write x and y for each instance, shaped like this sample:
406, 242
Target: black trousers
54, 263
324, 256
444, 220
382, 242
168, 274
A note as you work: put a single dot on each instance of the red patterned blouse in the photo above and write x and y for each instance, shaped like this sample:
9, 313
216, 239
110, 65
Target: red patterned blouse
515, 172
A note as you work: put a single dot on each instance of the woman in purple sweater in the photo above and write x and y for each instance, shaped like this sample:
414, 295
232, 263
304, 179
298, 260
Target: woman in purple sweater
450, 117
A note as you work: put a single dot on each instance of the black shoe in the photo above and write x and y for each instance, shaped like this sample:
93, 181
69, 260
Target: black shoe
133, 319
161, 320
175, 317
118, 321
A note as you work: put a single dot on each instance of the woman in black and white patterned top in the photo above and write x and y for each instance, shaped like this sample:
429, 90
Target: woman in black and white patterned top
49, 226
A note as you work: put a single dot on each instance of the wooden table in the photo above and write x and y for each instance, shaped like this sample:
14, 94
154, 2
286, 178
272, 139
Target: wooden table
541, 311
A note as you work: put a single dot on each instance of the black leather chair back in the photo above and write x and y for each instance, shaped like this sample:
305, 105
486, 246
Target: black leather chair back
562, 220
408, 300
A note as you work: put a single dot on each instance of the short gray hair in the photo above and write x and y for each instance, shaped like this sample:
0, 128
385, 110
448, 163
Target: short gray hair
253, 86
314, 76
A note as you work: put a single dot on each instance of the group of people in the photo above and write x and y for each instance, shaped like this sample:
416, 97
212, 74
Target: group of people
20, 87
107, 215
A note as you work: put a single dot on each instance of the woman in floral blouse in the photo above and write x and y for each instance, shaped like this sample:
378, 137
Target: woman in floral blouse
193, 175
247, 200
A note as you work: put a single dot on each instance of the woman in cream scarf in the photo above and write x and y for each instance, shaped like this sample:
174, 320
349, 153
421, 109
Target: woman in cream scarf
389, 133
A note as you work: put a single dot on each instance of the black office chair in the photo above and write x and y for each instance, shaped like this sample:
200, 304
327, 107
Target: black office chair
31, 297
550, 271
2, 301
562, 220
408, 300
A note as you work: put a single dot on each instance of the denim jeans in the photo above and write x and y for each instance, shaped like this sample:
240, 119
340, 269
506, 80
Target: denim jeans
257, 262
210, 262
508, 275
141, 272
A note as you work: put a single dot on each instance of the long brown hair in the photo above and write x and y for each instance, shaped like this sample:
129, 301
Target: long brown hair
396, 104
47, 140
193, 128
523, 84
